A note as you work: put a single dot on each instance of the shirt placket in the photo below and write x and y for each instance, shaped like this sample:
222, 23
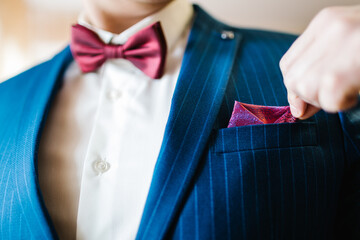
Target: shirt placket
96, 200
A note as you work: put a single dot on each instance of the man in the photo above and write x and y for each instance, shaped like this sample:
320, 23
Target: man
129, 152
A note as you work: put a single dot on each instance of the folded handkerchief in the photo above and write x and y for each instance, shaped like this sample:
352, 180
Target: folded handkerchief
247, 114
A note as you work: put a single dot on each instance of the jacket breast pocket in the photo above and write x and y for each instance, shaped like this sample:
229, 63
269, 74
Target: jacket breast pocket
266, 136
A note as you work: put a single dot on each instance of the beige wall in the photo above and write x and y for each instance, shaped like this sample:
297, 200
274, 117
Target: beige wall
29, 34
33, 30
282, 15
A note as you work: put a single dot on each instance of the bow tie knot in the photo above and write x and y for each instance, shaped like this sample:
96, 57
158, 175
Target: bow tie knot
114, 51
146, 50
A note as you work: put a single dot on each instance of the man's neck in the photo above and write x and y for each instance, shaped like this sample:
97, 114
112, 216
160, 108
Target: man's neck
121, 15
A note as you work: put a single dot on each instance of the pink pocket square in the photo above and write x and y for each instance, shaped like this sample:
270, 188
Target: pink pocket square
247, 114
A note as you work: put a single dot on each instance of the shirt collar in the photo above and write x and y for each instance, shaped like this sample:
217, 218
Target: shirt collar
174, 18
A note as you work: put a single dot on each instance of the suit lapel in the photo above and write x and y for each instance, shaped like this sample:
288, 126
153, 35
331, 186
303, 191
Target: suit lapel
198, 95
35, 90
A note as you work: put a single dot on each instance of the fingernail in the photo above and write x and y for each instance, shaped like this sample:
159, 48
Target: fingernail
294, 111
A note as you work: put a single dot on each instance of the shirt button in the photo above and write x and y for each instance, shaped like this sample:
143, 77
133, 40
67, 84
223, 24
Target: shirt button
114, 95
100, 166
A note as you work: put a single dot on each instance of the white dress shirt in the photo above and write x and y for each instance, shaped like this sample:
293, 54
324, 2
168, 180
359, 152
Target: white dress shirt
103, 136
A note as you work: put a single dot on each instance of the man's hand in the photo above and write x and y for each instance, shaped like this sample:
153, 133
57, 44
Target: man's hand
322, 68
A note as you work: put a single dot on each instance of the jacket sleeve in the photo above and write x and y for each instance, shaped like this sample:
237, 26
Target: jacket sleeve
348, 216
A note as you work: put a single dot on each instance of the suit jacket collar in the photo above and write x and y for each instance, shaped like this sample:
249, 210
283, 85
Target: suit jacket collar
195, 105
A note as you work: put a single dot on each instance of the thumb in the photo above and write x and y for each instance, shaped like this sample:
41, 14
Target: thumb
297, 105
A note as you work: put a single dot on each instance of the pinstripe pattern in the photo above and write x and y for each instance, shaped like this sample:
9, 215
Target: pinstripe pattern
265, 182
23, 103
276, 181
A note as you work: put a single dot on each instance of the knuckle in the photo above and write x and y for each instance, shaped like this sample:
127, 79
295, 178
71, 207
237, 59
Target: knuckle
289, 83
336, 94
325, 13
343, 23
337, 16
333, 82
304, 89
306, 92
329, 12
283, 64
327, 101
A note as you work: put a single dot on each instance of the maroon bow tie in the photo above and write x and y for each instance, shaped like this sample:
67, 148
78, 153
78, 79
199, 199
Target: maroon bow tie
146, 50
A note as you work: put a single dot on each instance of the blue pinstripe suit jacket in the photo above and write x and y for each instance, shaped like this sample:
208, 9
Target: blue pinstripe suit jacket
276, 181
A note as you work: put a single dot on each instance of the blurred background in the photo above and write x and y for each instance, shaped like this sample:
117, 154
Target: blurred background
32, 31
